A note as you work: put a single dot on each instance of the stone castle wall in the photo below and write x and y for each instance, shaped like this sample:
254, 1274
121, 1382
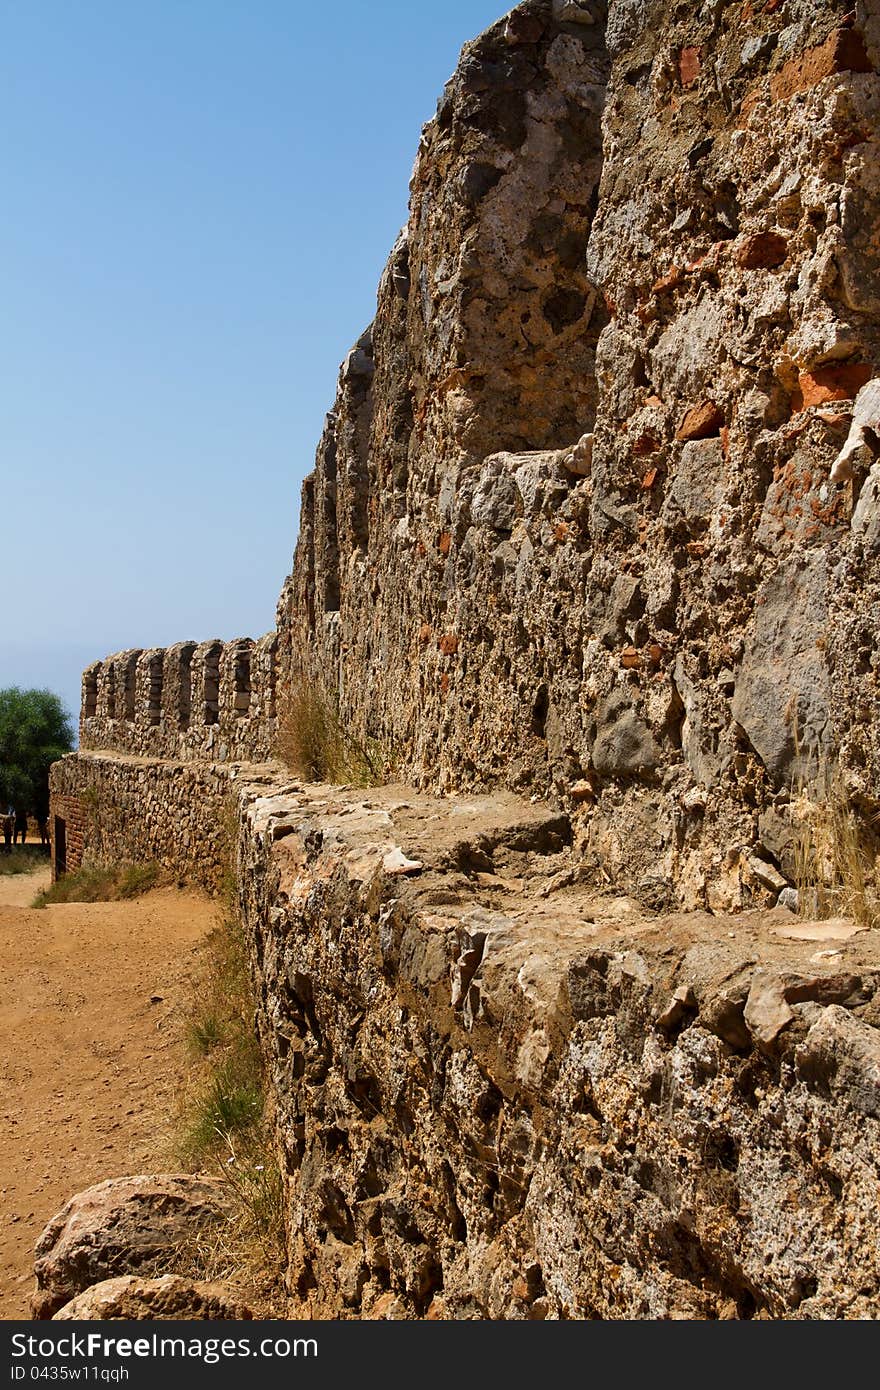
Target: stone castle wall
595, 519
576, 526
210, 701
573, 527
118, 808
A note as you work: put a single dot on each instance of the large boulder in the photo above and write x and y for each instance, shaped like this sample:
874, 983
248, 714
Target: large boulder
129, 1225
169, 1297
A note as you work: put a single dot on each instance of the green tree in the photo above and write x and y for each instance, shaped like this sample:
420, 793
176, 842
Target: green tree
35, 730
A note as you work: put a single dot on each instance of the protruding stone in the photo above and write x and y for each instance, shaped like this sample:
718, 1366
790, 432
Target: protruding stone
723, 1016
766, 1012
682, 1002
397, 864
579, 460
170, 1297
842, 1054
762, 251
701, 422
583, 790
863, 441
766, 874
789, 898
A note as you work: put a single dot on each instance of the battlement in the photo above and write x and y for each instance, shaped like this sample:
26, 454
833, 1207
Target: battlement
209, 701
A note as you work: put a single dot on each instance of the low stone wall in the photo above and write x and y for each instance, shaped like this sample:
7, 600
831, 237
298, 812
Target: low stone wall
498, 1096
118, 808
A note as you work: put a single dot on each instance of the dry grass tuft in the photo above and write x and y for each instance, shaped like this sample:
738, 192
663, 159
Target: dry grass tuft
103, 883
223, 1126
835, 857
314, 743
24, 859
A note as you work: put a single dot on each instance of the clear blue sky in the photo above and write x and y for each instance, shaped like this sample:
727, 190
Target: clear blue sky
198, 199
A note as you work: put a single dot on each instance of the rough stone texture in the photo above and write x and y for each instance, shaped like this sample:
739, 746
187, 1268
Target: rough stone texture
441, 454
595, 517
122, 1226
211, 702
503, 1096
119, 808
168, 1297
478, 605
579, 517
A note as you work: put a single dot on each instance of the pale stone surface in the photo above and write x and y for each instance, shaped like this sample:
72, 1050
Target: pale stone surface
131, 1298
863, 441
126, 1225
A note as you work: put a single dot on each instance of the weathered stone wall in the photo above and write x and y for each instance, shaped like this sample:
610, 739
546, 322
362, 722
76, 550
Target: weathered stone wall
120, 808
484, 341
212, 701
501, 1096
669, 625
596, 517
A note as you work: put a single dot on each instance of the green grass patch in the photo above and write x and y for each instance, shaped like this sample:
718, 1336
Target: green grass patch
102, 884
205, 1031
228, 1101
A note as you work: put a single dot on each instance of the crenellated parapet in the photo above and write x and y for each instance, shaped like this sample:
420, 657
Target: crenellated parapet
211, 701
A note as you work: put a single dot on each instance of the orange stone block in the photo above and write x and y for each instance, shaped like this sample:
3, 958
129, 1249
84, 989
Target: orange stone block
833, 383
669, 281
842, 51
700, 422
689, 65
763, 251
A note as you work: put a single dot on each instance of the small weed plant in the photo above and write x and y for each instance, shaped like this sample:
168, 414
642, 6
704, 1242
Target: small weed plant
314, 742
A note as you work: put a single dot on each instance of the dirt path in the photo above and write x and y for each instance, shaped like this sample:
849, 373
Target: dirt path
92, 999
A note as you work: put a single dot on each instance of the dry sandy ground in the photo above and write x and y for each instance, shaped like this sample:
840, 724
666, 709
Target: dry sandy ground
92, 1056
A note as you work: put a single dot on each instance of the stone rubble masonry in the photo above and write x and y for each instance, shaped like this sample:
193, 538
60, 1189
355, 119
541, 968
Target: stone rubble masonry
656, 233
121, 808
502, 1096
573, 553
573, 528
211, 702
